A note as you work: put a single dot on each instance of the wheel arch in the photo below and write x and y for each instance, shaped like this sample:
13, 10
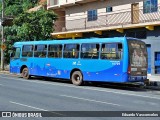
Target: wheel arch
75, 69
22, 67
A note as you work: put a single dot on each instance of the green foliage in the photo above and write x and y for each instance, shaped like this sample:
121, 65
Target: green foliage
35, 25
14, 8
10, 33
26, 26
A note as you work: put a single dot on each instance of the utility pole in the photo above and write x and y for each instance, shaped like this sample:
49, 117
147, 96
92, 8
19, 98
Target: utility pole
2, 42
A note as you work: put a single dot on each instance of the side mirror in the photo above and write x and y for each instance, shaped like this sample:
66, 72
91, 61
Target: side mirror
11, 53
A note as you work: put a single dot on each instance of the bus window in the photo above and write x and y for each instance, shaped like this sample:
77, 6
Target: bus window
16, 53
111, 51
40, 50
90, 51
120, 51
27, 51
71, 51
55, 51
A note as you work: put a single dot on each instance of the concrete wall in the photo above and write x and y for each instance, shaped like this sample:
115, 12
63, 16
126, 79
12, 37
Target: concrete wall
77, 15
60, 23
153, 39
62, 2
52, 2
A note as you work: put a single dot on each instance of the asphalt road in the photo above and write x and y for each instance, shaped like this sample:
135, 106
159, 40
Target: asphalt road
17, 94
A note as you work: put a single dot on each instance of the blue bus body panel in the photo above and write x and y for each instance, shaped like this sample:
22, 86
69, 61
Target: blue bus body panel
92, 69
104, 70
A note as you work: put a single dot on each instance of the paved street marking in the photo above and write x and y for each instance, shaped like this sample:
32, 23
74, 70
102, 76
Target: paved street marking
34, 107
90, 100
27, 106
86, 88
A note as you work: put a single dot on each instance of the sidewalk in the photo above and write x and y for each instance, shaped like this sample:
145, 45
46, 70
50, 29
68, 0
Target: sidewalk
5, 72
154, 79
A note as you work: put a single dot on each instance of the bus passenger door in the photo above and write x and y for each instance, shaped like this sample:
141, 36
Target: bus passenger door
15, 60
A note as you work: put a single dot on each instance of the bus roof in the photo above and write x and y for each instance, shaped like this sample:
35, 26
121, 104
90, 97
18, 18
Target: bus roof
93, 40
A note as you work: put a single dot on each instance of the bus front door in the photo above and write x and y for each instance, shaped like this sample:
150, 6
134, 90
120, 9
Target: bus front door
15, 60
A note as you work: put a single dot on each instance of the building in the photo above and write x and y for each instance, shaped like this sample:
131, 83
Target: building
111, 18
41, 4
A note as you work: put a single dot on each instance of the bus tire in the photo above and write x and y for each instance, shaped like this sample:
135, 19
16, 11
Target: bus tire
77, 78
25, 73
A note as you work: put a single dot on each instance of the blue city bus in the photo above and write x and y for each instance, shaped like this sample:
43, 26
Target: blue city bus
117, 60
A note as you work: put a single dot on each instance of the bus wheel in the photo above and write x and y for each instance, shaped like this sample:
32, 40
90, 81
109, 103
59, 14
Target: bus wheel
25, 73
77, 78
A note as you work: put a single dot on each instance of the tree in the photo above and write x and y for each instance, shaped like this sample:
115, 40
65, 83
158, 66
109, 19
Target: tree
14, 7
35, 25
26, 26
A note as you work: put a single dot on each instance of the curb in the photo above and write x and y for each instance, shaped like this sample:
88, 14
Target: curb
8, 73
5, 72
155, 85
152, 87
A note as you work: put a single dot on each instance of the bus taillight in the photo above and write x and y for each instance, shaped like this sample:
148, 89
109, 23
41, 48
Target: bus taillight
129, 69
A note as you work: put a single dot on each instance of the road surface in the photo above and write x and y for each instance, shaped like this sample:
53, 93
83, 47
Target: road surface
17, 94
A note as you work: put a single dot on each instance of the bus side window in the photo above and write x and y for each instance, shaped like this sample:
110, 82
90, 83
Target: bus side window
71, 51
83, 52
111, 51
16, 53
40, 51
120, 51
90, 51
27, 51
95, 51
104, 52
55, 51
